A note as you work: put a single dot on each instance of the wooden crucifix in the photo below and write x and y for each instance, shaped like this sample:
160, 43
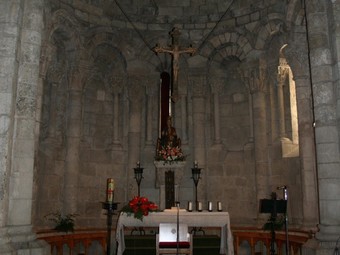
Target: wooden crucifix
175, 50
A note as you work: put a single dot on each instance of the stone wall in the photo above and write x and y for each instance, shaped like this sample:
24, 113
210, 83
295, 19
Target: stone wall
100, 110
92, 111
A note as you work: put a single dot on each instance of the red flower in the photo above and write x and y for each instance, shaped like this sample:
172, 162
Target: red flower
140, 206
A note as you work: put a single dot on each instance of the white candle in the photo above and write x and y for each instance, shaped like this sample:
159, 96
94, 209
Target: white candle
199, 206
189, 206
110, 190
138, 164
196, 164
219, 206
210, 206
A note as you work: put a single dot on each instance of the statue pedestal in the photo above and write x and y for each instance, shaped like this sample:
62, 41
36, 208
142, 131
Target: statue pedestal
168, 194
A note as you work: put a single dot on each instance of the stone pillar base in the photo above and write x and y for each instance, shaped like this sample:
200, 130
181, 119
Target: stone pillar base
13, 242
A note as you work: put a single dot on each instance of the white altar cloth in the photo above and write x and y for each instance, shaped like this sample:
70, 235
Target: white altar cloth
192, 219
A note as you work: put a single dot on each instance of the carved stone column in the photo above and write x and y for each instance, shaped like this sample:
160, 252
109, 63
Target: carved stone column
135, 95
118, 83
282, 75
297, 57
199, 88
245, 79
73, 137
183, 100
151, 96
184, 114
21, 34
55, 74
216, 87
255, 79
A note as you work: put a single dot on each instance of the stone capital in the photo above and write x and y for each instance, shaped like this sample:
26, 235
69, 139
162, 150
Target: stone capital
117, 83
198, 83
282, 74
255, 79
216, 85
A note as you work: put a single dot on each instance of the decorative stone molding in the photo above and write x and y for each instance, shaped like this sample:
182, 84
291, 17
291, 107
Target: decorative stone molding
282, 72
117, 82
255, 79
198, 84
216, 85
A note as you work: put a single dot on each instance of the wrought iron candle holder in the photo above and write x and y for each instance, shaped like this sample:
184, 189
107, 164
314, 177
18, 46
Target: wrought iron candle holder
138, 176
196, 176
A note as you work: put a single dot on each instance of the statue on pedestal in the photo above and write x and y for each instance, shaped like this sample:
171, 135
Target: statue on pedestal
169, 145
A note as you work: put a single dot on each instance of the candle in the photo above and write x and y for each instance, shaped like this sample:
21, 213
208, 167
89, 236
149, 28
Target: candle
110, 190
138, 164
199, 206
196, 164
210, 206
219, 206
190, 206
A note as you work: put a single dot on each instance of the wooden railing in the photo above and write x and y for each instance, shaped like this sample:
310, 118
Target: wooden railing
257, 242
76, 243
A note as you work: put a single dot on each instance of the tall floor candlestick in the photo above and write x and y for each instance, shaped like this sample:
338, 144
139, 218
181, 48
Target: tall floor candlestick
110, 207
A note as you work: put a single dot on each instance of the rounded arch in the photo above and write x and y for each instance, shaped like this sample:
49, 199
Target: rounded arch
295, 14
229, 45
64, 29
266, 32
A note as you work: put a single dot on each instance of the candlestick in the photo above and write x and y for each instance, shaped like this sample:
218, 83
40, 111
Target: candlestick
110, 207
110, 190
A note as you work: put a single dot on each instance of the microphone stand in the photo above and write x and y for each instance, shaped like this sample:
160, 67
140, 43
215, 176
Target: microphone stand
285, 197
285, 194
177, 238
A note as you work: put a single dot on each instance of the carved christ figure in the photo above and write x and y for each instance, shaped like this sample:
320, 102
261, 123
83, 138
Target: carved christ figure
175, 51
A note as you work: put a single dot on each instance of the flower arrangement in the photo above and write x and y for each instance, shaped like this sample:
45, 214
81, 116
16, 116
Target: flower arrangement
63, 223
169, 154
139, 207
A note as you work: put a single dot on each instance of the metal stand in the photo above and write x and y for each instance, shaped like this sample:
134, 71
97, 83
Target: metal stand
138, 176
110, 207
273, 206
285, 197
196, 176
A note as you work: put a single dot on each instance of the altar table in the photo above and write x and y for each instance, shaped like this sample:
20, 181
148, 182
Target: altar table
192, 219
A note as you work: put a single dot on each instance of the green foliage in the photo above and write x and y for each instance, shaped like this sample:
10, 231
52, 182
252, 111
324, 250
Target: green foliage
63, 223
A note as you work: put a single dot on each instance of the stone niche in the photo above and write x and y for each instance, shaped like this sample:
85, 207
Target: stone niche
165, 193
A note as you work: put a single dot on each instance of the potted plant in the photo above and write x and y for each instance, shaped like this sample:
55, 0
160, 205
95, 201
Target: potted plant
63, 223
